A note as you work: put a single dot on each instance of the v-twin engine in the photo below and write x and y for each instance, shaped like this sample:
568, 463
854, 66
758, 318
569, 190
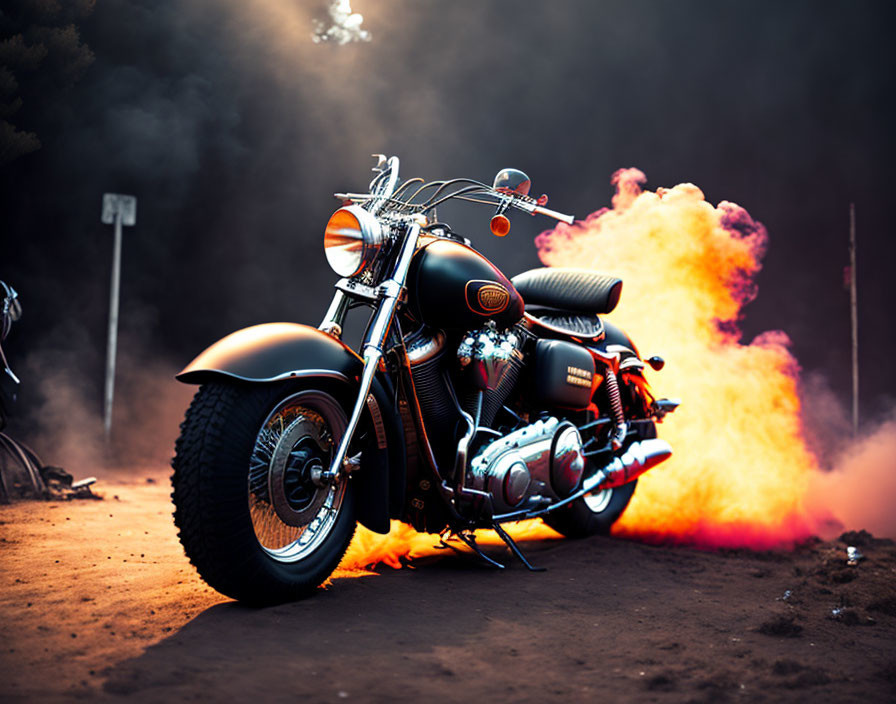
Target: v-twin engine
541, 462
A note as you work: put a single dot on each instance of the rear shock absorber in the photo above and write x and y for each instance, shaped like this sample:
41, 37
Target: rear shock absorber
617, 437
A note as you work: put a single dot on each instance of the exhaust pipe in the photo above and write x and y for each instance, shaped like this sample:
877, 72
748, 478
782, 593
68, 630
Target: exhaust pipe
637, 459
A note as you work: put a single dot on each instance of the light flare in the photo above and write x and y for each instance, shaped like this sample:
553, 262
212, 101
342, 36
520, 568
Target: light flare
344, 25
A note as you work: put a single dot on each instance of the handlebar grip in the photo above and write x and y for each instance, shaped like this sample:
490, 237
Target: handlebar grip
568, 219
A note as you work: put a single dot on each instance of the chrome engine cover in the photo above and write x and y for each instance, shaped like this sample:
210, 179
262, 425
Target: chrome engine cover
543, 459
486, 353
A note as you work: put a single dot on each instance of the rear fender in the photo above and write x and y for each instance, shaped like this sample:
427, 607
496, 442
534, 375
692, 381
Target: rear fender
627, 364
278, 352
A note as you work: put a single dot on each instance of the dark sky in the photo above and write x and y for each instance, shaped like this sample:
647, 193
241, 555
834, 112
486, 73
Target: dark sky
232, 128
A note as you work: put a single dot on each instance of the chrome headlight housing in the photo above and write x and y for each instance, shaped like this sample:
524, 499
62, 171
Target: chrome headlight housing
352, 239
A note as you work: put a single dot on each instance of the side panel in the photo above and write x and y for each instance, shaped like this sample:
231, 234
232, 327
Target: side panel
282, 351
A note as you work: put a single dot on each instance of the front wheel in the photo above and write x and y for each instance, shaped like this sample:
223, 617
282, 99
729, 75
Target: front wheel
252, 520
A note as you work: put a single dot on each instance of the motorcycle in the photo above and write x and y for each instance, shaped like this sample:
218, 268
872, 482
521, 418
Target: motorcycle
476, 400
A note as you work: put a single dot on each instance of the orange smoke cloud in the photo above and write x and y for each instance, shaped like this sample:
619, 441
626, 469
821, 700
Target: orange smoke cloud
741, 467
859, 493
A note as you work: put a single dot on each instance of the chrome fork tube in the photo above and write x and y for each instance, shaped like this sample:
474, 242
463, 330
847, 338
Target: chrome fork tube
335, 317
391, 292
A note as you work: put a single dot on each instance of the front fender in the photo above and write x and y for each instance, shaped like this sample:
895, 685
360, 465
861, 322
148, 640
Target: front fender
273, 352
276, 352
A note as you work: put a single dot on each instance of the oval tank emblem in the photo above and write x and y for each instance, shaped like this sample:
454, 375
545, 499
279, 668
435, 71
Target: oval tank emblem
487, 297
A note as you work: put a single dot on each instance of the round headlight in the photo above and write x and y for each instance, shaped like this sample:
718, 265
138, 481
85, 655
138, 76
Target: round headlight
351, 240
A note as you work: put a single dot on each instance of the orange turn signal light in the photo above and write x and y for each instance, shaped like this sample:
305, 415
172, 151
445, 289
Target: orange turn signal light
500, 225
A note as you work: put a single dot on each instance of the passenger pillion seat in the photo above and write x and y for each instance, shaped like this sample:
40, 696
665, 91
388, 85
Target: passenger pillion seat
569, 300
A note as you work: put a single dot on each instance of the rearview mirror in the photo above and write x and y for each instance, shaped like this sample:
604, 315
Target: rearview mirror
512, 181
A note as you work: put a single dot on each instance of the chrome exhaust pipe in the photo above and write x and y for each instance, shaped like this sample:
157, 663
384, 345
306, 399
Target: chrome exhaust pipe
637, 459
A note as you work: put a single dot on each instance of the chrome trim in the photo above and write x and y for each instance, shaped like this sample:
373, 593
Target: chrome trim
628, 358
286, 534
637, 459
463, 447
334, 330
350, 251
525, 454
373, 352
487, 353
372, 358
658, 451
335, 313
620, 349
423, 345
383, 194
535, 320
357, 289
598, 502
631, 363
295, 374
664, 406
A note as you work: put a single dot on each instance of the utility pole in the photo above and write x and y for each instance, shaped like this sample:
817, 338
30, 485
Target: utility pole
854, 308
118, 210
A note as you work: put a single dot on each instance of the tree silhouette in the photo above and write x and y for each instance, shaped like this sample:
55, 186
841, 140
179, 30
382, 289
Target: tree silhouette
41, 58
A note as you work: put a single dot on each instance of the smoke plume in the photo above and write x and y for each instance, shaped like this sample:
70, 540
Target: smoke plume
860, 492
741, 467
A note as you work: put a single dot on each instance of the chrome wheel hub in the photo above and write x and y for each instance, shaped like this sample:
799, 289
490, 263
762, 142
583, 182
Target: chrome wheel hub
291, 513
599, 501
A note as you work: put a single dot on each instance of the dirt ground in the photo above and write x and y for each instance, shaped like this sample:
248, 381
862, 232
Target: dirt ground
98, 602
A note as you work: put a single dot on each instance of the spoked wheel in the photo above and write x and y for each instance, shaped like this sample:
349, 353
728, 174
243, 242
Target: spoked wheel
254, 517
291, 514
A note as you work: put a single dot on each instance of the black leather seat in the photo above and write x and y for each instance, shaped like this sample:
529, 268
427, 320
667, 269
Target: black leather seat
576, 290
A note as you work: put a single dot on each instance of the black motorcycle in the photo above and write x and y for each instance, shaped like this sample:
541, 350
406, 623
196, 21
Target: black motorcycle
476, 400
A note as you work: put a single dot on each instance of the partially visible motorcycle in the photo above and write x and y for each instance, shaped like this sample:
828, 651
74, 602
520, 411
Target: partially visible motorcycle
15, 457
474, 400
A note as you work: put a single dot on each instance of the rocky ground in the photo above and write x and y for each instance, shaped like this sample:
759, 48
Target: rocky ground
98, 602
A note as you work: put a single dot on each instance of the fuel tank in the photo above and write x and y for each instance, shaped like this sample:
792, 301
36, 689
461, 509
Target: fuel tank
453, 287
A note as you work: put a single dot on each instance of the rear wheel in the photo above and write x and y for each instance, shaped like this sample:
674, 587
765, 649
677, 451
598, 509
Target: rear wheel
252, 519
592, 515
596, 514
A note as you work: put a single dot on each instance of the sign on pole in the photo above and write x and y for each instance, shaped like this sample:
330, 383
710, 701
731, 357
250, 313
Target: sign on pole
118, 210
113, 203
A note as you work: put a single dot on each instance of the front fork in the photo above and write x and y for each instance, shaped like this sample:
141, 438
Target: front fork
390, 292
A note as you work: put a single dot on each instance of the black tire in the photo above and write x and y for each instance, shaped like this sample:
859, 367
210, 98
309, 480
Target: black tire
211, 494
581, 520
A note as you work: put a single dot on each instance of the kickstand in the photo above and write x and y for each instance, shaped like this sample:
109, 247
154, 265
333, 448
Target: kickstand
515, 549
470, 542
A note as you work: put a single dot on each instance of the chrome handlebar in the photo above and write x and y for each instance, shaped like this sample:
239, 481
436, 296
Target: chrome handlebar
525, 204
384, 185
535, 209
